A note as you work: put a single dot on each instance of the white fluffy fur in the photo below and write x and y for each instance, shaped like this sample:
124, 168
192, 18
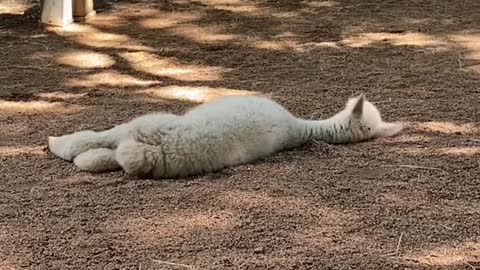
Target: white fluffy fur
97, 160
226, 132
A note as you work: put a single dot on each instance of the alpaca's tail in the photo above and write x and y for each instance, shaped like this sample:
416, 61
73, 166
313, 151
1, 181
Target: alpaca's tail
139, 159
97, 160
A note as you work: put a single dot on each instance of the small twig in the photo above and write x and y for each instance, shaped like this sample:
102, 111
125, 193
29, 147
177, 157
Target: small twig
41, 44
413, 167
471, 266
474, 140
398, 244
460, 63
396, 252
174, 264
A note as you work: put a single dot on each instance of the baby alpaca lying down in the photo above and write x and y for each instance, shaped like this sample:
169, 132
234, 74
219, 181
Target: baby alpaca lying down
226, 132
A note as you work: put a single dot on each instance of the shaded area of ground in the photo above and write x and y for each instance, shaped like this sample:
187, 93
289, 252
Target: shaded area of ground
411, 202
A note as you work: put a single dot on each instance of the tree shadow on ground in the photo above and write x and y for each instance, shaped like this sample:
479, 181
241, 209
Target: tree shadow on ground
315, 207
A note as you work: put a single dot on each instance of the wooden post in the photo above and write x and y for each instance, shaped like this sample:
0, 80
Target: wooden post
83, 10
56, 12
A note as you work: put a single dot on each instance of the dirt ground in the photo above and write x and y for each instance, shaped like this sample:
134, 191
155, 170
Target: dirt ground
410, 202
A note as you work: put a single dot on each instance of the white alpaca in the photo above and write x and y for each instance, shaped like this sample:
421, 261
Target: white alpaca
226, 132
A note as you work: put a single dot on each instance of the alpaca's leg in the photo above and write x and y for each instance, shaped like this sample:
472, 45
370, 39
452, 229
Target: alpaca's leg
69, 146
143, 153
97, 160
139, 159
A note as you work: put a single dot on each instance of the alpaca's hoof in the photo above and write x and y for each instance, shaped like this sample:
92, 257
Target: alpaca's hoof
58, 146
69, 146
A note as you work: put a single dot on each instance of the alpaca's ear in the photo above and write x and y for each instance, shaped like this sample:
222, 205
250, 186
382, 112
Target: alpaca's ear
358, 108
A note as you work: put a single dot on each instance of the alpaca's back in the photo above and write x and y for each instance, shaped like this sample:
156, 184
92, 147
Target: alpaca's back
223, 133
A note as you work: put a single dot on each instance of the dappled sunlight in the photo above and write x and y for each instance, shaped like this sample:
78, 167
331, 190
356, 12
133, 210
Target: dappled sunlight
466, 253
287, 41
467, 151
194, 94
93, 37
286, 34
108, 21
402, 39
284, 15
109, 78
165, 20
319, 3
206, 35
243, 7
85, 59
460, 151
215, 35
109, 40
155, 229
12, 7
36, 107
280, 45
402, 202
324, 44
292, 45
447, 128
469, 42
138, 12
60, 95
72, 29
11, 151
171, 67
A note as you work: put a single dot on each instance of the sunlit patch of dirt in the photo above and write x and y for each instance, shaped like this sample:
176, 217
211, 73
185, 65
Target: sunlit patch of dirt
171, 67
194, 94
109, 78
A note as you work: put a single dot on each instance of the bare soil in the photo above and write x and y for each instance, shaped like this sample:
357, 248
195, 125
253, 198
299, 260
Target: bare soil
409, 202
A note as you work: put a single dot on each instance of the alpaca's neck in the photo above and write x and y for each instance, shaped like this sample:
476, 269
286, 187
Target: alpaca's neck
331, 130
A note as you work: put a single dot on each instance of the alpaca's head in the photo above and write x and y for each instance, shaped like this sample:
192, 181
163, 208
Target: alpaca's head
368, 120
